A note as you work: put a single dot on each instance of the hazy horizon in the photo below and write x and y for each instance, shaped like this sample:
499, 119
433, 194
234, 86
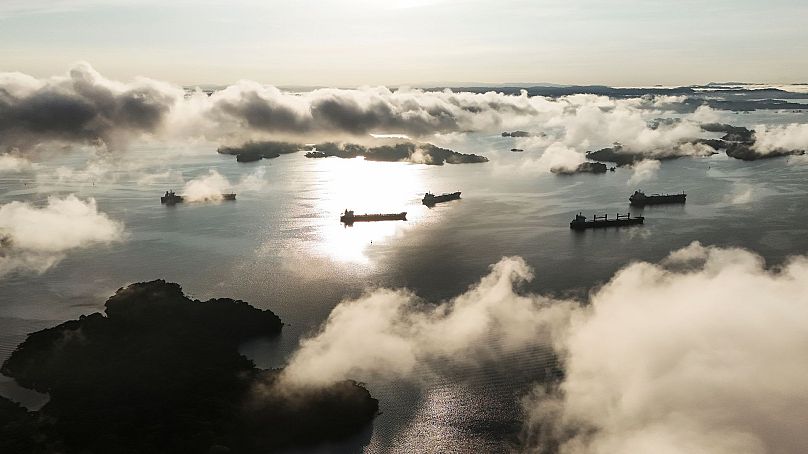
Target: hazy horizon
412, 42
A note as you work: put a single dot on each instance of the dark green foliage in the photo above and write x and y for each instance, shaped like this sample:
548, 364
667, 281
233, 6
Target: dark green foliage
615, 154
745, 152
405, 151
737, 133
340, 150
20, 431
584, 167
254, 151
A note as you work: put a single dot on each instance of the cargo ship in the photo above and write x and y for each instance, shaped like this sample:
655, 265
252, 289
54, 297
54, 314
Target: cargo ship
640, 199
170, 198
580, 222
431, 199
348, 217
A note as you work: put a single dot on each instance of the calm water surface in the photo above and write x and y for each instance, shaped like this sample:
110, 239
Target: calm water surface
283, 248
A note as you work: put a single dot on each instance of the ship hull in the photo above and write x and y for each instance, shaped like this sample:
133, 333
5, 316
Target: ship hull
657, 199
172, 200
603, 223
429, 201
373, 217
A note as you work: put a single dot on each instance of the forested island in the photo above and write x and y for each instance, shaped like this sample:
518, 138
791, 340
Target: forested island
159, 372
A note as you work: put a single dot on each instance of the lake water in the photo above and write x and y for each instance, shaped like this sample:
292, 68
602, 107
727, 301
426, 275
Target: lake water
282, 247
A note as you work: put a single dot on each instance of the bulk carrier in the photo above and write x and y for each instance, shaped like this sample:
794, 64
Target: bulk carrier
640, 199
580, 222
431, 199
348, 217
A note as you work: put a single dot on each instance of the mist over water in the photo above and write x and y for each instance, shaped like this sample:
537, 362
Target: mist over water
280, 246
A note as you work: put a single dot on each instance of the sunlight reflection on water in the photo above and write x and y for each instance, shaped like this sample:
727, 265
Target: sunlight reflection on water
365, 187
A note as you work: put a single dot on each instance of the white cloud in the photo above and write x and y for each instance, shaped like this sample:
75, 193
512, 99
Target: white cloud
643, 171
36, 238
701, 353
784, 138
559, 158
741, 194
11, 162
84, 107
210, 187
387, 333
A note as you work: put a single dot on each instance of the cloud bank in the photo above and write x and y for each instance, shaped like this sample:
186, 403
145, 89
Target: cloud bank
703, 352
83, 107
387, 333
36, 238
773, 139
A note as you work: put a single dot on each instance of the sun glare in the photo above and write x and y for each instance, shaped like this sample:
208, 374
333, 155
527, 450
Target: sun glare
364, 187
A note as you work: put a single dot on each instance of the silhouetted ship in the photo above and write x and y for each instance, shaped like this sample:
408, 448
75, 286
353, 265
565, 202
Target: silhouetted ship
170, 198
348, 217
431, 199
640, 199
580, 222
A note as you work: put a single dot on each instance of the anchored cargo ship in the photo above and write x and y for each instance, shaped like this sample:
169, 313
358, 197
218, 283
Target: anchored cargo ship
580, 222
348, 217
170, 198
431, 199
640, 199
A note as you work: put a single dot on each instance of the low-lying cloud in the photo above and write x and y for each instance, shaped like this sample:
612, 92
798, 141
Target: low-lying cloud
83, 107
644, 170
703, 352
211, 187
772, 139
12, 162
388, 333
36, 238
559, 158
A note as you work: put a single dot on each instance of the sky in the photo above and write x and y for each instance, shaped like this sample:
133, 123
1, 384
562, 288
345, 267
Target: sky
350, 43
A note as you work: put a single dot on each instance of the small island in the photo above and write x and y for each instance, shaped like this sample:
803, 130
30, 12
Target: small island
516, 134
584, 167
739, 143
159, 372
621, 156
422, 153
255, 151
616, 154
